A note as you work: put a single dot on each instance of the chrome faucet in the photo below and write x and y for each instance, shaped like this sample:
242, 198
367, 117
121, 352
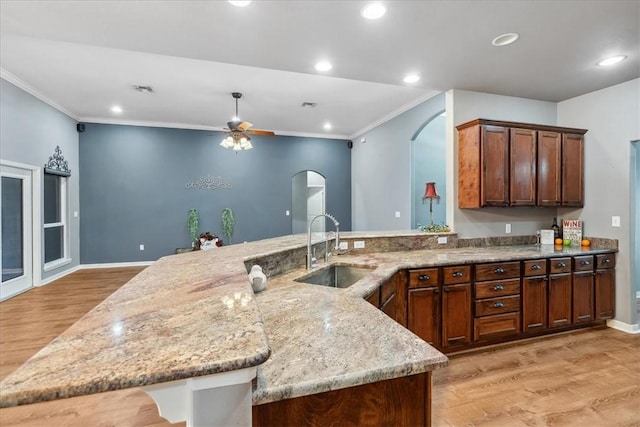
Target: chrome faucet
326, 250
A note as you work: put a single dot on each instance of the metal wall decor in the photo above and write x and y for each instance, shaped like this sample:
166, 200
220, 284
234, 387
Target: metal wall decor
57, 165
209, 182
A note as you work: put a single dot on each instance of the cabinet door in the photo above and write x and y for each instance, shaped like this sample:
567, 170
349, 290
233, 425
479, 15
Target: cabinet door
534, 303
583, 297
424, 314
572, 170
549, 167
559, 300
495, 166
393, 298
456, 314
605, 300
522, 168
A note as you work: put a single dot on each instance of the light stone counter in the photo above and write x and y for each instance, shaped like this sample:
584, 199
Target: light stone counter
194, 314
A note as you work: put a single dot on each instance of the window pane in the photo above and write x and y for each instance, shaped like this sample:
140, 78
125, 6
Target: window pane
52, 211
12, 229
53, 243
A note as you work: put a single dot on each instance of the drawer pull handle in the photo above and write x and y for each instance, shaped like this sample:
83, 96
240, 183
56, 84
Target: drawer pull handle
424, 277
499, 270
436, 291
584, 262
536, 267
498, 288
458, 274
561, 265
498, 305
606, 261
446, 289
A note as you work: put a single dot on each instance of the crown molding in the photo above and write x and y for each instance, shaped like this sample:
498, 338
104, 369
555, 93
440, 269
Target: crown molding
393, 114
4, 74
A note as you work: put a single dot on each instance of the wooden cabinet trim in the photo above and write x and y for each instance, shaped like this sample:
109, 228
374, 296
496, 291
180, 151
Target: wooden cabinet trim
520, 125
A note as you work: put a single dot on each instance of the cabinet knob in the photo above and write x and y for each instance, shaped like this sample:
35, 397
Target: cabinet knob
584, 262
498, 304
536, 267
498, 288
436, 291
446, 289
499, 270
458, 274
424, 277
561, 264
606, 261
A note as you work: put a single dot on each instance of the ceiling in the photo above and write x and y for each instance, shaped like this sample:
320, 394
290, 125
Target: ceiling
84, 57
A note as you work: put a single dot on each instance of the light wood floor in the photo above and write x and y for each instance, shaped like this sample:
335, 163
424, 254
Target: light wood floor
588, 378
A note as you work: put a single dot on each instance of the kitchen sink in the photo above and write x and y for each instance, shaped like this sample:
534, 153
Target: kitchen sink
336, 276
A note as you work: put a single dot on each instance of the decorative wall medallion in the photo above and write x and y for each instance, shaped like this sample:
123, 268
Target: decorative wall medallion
209, 183
57, 165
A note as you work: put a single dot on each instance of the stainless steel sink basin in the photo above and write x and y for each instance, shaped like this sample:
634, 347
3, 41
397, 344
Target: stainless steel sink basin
336, 276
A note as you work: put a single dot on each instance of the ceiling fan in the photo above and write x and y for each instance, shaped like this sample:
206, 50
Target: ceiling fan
238, 131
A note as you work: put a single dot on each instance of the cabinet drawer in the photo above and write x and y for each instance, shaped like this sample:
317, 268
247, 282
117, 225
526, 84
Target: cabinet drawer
536, 267
423, 277
497, 288
583, 263
560, 265
458, 274
499, 305
496, 326
497, 270
606, 261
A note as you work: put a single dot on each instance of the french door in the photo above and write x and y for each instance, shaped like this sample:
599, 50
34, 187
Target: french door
17, 231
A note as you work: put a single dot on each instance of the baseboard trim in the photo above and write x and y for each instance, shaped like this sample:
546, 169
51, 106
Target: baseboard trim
624, 327
60, 275
117, 264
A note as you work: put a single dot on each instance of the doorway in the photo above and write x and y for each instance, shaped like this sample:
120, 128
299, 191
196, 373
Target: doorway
308, 191
16, 215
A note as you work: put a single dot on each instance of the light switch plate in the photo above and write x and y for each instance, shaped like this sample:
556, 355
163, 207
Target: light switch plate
442, 240
615, 221
397, 214
344, 246
507, 229
358, 244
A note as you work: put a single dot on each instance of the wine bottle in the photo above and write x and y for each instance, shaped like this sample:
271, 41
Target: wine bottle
555, 228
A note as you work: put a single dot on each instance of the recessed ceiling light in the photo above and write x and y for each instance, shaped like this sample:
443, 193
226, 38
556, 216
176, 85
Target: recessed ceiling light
613, 60
323, 66
240, 3
411, 78
505, 39
327, 126
116, 109
374, 11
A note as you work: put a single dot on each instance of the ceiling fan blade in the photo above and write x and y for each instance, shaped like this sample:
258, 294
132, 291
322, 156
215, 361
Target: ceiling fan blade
243, 126
261, 132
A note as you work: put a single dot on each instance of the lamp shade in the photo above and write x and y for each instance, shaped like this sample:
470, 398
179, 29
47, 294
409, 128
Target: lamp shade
430, 191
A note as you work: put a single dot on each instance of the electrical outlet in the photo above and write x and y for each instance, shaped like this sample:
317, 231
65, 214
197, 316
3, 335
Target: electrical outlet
442, 240
397, 214
344, 246
75, 214
286, 213
507, 228
358, 244
142, 247
615, 221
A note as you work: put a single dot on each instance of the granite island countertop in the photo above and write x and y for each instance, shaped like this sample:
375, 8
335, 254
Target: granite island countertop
195, 314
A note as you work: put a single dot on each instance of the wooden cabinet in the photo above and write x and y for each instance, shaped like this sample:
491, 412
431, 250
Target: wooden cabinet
519, 164
559, 309
572, 170
605, 286
424, 302
456, 306
522, 167
393, 298
583, 289
497, 300
534, 303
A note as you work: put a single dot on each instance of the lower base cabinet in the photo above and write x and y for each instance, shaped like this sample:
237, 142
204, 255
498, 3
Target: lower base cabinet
402, 401
534, 304
583, 298
424, 314
605, 293
456, 315
559, 300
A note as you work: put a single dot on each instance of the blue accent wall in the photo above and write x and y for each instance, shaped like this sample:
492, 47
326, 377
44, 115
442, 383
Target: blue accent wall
132, 187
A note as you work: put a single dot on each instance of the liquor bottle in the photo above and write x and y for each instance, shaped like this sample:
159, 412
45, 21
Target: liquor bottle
555, 228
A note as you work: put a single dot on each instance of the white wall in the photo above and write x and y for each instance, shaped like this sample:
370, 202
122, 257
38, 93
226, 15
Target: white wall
381, 170
612, 116
29, 134
463, 106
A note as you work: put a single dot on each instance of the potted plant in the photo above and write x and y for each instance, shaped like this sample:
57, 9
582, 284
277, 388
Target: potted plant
227, 223
193, 222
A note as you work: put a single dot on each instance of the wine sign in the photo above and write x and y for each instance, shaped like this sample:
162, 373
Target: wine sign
572, 230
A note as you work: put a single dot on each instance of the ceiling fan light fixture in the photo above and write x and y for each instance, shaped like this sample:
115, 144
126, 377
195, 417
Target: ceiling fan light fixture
373, 11
611, 60
505, 39
323, 66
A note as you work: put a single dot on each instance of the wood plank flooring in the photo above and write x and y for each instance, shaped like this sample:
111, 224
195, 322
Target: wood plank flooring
588, 378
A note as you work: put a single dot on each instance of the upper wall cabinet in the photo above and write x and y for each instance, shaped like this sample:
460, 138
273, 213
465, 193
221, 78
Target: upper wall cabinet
519, 164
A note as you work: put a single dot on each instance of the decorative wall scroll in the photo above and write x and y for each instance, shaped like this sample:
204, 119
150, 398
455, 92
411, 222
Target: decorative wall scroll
209, 182
57, 165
